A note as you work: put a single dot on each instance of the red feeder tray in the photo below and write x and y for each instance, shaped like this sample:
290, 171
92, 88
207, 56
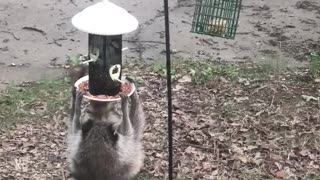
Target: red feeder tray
82, 84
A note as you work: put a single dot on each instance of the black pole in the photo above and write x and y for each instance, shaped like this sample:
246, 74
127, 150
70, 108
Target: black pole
167, 29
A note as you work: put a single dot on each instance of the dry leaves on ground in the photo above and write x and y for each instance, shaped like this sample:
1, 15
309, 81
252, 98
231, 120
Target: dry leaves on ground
247, 129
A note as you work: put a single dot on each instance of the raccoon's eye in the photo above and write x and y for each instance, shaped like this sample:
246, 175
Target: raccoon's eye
86, 127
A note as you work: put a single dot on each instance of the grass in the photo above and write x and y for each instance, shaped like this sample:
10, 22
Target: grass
35, 100
202, 72
312, 177
315, 64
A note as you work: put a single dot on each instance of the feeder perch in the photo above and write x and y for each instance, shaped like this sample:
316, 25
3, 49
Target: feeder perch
216, 17
105, 23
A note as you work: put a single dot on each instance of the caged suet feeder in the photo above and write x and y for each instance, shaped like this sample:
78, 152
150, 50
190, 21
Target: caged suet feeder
216, 17
105, 23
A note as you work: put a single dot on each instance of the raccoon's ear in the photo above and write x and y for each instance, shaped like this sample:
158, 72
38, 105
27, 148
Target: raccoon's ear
86, 127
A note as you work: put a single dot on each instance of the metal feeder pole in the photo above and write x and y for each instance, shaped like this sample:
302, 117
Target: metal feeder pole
169, 89
109, 49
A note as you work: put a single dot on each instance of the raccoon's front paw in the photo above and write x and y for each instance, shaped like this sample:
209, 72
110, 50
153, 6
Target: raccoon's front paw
79, 95
130, 80
123, 96
124, 99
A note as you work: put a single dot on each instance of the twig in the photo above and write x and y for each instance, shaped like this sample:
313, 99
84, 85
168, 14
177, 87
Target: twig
72, 31
206, 41
14, 36
34, 29
260, 112
220, 104
65, 18
265, 110
22, 172
72, 2
258, 89
60, 39
260, 129
271, 101
63, 176
196, 146
55, 41
135, 41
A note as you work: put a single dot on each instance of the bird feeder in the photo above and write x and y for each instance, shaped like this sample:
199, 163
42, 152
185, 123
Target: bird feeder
105, 23
216, 17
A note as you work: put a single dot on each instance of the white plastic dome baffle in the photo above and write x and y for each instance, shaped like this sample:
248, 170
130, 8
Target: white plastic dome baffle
105, 18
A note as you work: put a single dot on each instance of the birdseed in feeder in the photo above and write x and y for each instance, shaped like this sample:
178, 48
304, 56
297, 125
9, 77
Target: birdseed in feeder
126, 88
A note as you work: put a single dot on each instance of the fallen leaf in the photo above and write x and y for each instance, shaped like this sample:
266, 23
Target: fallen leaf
222, 79
280, 174
215, 172
309, 98
236, 149
185, 79
178, 87
304, 152
244, 81
242, 159
240, 99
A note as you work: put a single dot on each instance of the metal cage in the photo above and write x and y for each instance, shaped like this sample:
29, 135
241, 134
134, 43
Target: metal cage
216, 17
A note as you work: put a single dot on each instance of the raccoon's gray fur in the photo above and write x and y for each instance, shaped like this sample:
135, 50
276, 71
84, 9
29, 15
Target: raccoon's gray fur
108, 148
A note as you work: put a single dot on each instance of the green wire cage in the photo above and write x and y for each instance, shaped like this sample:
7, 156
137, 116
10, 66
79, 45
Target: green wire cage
216, 17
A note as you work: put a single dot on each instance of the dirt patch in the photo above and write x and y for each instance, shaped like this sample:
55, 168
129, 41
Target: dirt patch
301, 50
308, 5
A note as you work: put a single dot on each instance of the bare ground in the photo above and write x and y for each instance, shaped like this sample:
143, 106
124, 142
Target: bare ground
255, 126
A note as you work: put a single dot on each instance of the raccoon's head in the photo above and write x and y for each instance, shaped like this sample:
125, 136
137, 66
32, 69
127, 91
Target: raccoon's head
98, 131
